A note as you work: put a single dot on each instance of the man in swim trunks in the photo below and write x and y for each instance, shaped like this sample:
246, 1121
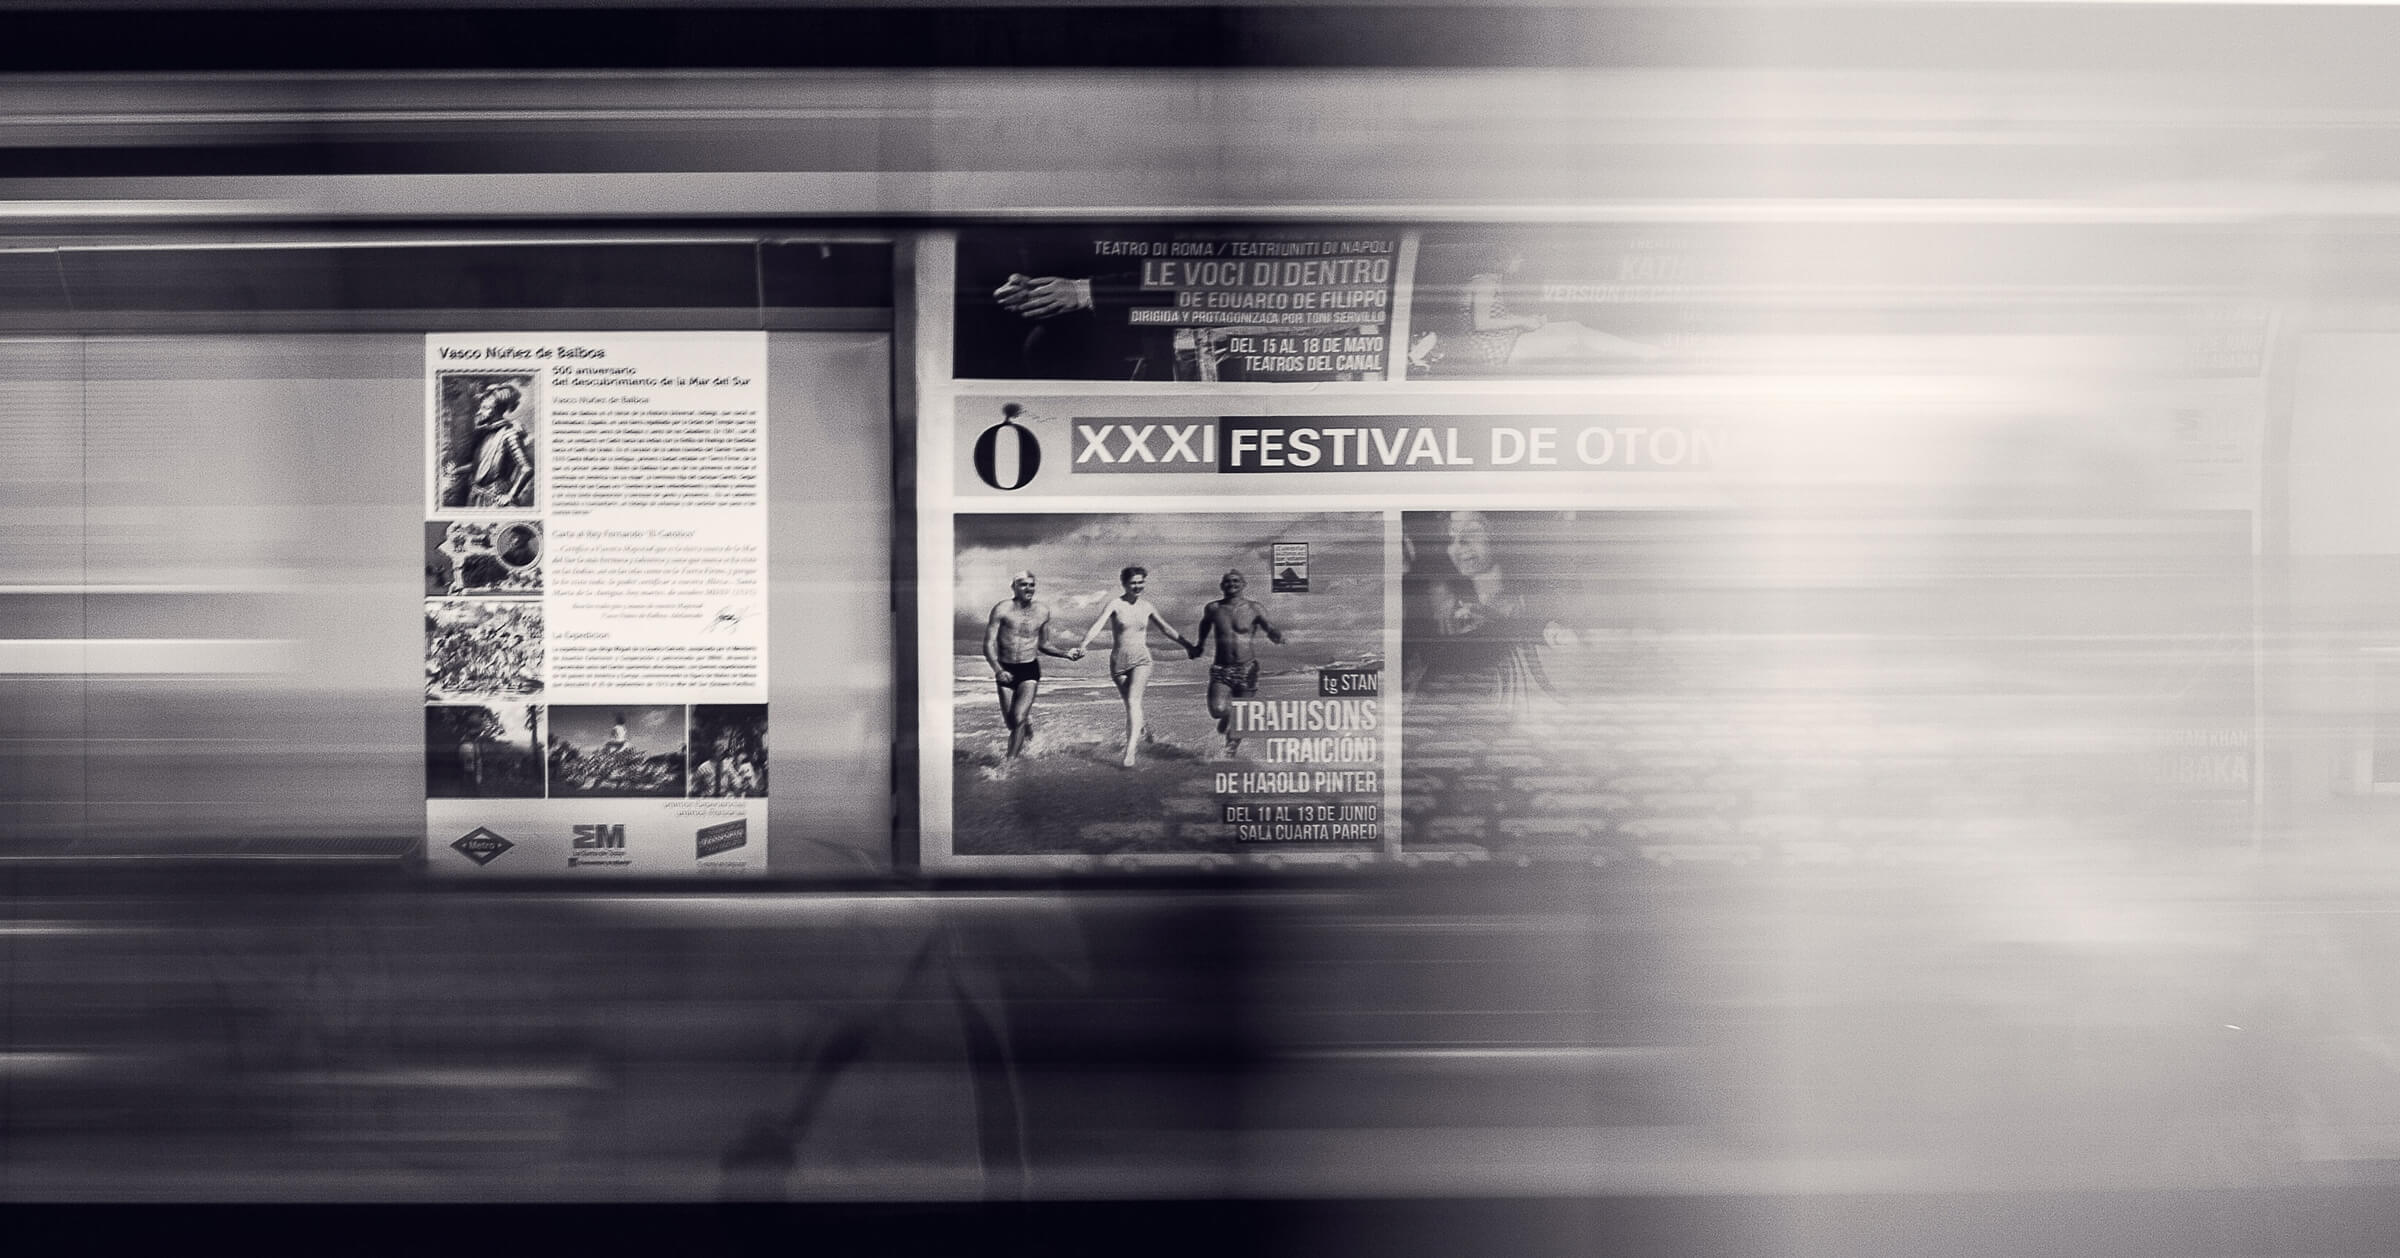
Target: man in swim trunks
1129, 617
1015, 639
1234, 620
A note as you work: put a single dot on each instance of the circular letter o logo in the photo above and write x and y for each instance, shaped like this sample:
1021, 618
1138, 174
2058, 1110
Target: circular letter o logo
1027, 449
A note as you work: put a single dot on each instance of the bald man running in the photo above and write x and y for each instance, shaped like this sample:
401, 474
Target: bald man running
1233, 674
1015, 638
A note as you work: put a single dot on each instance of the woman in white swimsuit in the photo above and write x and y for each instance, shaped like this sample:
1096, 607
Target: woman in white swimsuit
1129, 618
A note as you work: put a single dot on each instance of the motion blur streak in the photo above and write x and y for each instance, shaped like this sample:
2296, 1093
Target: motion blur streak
1977, 829
143, 655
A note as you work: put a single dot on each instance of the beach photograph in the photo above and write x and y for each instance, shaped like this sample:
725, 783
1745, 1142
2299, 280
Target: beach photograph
1068, 789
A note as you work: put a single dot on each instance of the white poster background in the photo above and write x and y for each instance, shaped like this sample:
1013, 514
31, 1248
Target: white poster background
650, 473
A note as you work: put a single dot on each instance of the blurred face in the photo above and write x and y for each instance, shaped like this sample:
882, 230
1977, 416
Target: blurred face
1135, 584
1233, 585
1023, 588
487, 406
1461, 614
1470, 543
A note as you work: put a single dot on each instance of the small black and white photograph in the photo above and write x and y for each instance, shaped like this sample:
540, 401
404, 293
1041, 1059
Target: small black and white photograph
617, 751
480, 647
484, 438
729, 750
476, 557
483, 751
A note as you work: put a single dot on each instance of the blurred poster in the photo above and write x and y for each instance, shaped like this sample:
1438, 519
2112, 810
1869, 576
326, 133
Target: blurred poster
1888, 299
595, 604
1162, 303
1495, 303
1889, 687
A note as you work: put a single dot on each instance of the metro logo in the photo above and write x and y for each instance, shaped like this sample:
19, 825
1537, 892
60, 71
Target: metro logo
481, 845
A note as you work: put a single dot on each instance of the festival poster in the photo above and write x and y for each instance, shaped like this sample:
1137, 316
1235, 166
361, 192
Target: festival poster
595, 604
1056, 517
2208, 420
1162, 303
1132, 684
